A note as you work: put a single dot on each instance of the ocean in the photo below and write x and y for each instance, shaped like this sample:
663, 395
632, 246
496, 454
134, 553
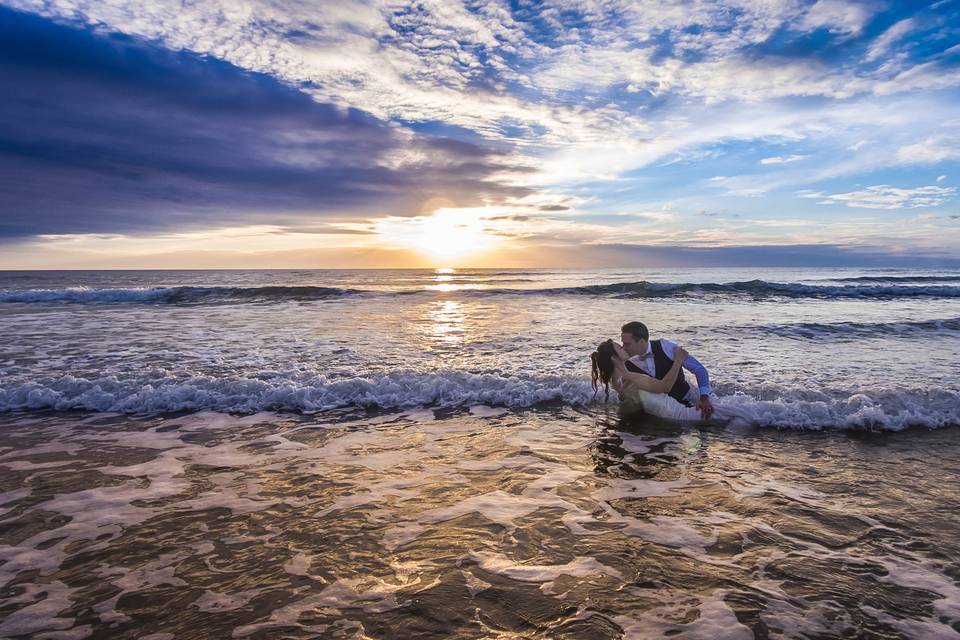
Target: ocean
420, 454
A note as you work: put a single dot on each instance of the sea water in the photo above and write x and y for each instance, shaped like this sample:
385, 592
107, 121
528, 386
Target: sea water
393, 454
824, 348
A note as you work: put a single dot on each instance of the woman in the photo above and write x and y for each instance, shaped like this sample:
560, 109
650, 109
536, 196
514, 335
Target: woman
609, 367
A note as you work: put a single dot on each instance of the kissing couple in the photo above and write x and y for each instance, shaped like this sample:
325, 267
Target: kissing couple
649, 373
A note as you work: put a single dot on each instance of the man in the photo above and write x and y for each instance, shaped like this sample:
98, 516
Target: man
654, 358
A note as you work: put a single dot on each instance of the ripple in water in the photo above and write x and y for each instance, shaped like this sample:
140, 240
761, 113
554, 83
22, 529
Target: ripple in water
454, 524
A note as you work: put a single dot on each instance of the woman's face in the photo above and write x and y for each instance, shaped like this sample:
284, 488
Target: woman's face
619, 352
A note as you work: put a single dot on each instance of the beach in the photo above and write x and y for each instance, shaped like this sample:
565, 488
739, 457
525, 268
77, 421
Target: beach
420, 454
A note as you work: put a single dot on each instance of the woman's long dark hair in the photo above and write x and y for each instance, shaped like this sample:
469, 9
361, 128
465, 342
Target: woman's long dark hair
601, 369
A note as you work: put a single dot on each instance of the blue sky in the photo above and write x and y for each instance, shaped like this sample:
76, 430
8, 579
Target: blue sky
268, 133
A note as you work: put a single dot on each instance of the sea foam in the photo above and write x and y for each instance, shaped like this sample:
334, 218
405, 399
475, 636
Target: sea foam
301, 392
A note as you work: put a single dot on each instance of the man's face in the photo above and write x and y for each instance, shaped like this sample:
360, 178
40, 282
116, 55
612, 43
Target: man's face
634, 346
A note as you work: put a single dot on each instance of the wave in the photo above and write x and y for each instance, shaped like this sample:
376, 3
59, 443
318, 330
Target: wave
853, 329
160, 392
163, 393
954, 278
757, 289
173, 295
881, 410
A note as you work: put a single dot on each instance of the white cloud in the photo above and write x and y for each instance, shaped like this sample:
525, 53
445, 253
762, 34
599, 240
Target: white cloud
884, 41
886, 197
941, 178
930, 151
924, 76
838, 16
833, 129
443, 61
782, 159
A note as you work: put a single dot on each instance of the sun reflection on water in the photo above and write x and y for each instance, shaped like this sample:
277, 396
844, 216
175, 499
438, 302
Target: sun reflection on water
444, 281
446, 322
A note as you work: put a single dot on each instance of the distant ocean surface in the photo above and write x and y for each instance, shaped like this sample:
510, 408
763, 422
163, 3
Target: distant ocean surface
811, 348
411, 455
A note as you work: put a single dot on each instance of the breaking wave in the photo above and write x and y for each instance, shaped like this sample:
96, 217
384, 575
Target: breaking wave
161, 392
755, 289
297, 391
761, 288
173, 294
800, 330
954, 278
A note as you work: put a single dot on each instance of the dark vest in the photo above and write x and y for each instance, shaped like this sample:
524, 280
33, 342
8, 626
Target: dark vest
662, 364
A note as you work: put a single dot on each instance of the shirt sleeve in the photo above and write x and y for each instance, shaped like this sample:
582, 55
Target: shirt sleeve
692, 365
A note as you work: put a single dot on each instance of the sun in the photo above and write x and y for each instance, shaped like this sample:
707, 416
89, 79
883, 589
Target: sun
447, 235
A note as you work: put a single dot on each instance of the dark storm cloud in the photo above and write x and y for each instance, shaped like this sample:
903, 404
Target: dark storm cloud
103, 133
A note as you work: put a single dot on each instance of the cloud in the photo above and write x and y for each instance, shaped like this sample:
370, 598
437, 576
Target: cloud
106, 133
930, 151
772, 255
782, 159
886, 197
941, 178
882, 43
837, 16
506, 72
606, 100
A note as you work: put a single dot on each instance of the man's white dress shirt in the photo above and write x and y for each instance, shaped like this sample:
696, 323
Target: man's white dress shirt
691, 364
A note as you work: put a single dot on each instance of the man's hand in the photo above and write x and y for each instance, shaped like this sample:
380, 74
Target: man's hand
706, 407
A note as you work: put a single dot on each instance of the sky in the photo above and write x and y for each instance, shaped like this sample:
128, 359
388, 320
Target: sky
579, 133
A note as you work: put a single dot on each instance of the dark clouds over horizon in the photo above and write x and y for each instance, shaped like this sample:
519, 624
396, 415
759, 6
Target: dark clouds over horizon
107, 133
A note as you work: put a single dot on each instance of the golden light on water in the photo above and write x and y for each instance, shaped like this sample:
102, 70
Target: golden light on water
447, 235
444, 281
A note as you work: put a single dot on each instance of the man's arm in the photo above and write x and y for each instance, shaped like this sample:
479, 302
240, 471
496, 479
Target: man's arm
692, 365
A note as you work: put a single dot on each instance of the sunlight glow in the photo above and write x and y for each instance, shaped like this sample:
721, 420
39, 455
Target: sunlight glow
446, 235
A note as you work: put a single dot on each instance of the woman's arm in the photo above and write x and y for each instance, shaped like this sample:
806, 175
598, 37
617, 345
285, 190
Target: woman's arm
653, 385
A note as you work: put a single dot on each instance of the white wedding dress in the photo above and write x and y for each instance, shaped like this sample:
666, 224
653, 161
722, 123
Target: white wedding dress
664, 407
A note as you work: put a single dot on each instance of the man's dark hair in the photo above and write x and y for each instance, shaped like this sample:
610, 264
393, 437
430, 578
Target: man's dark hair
637, 329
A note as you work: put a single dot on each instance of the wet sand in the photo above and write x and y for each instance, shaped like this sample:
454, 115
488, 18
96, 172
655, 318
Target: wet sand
491, 523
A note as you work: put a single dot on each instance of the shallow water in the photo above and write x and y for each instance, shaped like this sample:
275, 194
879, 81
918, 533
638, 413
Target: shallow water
417, 454
563, 523
816, 348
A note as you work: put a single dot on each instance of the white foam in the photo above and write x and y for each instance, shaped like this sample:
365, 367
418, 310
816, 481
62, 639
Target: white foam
298, 565
7, 497
293, 392
487, 395
579, 567
715, 621
211, 601
927, 629
474, 584
618, 488
379, 597
73, 633
926, 575
483, 411
41, 615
